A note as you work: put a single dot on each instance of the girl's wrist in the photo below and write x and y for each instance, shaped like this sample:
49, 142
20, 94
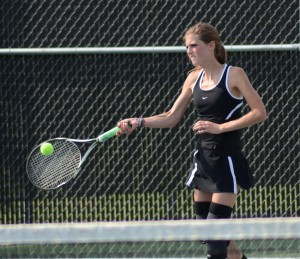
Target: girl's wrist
140, 122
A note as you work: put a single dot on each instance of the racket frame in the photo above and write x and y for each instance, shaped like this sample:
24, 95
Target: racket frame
95, 141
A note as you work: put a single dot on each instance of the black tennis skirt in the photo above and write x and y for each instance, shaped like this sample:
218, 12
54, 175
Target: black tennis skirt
219, 168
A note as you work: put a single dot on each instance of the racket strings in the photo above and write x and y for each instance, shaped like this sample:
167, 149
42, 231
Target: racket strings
49, 172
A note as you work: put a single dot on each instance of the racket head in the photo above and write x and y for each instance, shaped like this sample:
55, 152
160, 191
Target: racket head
52, 171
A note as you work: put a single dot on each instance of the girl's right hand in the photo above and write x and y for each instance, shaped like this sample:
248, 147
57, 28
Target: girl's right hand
127, 126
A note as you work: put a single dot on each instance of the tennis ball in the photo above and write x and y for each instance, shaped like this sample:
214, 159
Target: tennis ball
46, 149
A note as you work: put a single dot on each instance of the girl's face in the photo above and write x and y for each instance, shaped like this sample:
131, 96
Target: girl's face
196, 49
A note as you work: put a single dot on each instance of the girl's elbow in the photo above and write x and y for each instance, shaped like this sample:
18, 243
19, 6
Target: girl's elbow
263, 115
172, 125
173, 120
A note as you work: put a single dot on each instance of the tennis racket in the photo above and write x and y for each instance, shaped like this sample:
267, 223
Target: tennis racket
49, 172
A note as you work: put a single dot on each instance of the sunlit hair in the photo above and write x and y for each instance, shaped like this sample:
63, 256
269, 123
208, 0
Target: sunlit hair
207, 33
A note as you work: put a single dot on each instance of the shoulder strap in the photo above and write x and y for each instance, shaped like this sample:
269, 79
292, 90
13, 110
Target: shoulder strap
198, 78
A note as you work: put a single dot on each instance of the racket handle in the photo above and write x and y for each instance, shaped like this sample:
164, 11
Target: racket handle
108, 134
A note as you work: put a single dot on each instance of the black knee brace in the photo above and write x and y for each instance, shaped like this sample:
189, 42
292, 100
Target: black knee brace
201, 209
219, 211
218, 249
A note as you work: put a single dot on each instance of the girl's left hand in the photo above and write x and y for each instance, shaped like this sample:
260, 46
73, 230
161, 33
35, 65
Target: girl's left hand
201, 127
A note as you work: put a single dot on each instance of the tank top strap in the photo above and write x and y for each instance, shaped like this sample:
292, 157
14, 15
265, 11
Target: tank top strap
198, 79
223, 80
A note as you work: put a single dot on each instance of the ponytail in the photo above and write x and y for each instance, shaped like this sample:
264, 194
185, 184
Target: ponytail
220, 53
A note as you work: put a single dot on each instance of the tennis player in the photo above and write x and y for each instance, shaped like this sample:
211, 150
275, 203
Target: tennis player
218, 91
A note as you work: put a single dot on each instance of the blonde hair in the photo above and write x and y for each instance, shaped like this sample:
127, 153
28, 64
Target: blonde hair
207, 33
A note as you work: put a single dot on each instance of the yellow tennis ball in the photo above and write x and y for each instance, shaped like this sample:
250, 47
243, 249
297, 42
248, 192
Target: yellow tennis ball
46, 149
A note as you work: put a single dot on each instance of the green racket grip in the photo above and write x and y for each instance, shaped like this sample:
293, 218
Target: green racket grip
108, 134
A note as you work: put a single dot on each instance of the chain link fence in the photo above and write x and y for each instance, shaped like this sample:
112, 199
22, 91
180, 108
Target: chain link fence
91, 23
81, 96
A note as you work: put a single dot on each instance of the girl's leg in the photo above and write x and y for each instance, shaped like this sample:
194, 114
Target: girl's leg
217, 249
222, 204
233, 252
202, 202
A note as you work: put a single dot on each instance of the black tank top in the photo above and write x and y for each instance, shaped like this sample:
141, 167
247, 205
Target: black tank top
217, 105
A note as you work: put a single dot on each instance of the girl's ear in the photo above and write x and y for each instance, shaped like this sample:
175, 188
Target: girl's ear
212, 45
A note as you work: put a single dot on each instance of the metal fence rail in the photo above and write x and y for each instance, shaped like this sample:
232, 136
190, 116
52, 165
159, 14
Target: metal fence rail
140, 50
